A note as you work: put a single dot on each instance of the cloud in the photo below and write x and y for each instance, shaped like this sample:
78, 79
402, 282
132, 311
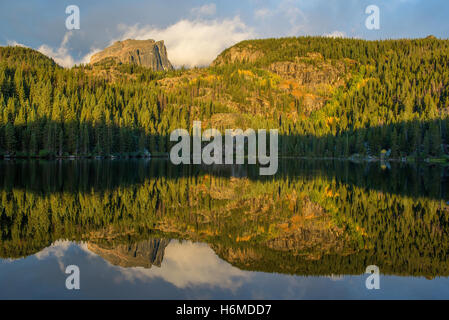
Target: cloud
190, 264
86, 58
58, 249
13, 43
62, 54
336, 34
193, 42
206, 10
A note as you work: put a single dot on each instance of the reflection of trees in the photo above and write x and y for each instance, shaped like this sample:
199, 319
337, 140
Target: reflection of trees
312, 223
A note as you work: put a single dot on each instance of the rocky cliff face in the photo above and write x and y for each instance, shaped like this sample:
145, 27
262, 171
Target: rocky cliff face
309, 77
237, 54
145, 53
141, 254
310, 70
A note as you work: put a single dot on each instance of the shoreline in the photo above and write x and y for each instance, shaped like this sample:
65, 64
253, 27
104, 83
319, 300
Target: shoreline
441, 161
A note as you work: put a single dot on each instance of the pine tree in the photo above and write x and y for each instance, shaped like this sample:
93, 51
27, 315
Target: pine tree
33, 149
142, 142
435, 140
394, 144
10, 138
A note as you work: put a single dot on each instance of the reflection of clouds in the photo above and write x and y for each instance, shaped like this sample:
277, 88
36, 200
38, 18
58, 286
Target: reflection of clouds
58, 249
185, 264
336, 277
9, 260
189, 264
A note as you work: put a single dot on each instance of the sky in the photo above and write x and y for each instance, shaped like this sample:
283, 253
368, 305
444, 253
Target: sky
196, 31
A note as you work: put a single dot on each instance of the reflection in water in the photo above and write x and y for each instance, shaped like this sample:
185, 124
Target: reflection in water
144, 253
324, 219
184, 263
191, 264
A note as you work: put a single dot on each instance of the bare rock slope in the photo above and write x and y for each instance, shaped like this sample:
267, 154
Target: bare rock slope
146, 53
141, 254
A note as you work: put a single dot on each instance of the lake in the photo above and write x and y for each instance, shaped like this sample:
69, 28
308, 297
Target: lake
146, 229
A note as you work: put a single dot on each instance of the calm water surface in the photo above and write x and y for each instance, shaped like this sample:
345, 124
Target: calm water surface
145, 229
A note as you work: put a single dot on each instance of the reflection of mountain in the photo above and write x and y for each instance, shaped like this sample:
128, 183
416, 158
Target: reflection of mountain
308, 223
145, 253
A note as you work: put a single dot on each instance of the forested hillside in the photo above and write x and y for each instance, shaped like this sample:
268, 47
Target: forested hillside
328, 97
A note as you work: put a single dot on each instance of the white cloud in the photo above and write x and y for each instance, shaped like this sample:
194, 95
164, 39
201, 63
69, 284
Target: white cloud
190, 264
193, 42
62, 55
86, 58
206, 10
336, 34
58, 249
13, 43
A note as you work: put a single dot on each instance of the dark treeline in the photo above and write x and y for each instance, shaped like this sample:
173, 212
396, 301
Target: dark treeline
392, 96
87, 175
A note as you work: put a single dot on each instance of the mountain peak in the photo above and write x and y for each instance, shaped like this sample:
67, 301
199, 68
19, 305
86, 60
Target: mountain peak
146, 53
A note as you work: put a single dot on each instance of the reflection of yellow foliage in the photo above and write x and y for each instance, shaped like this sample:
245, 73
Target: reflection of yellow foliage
330, 121
361, 230
243, 238
292, 198
291, 205
330, 193
296, 219
208, 232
